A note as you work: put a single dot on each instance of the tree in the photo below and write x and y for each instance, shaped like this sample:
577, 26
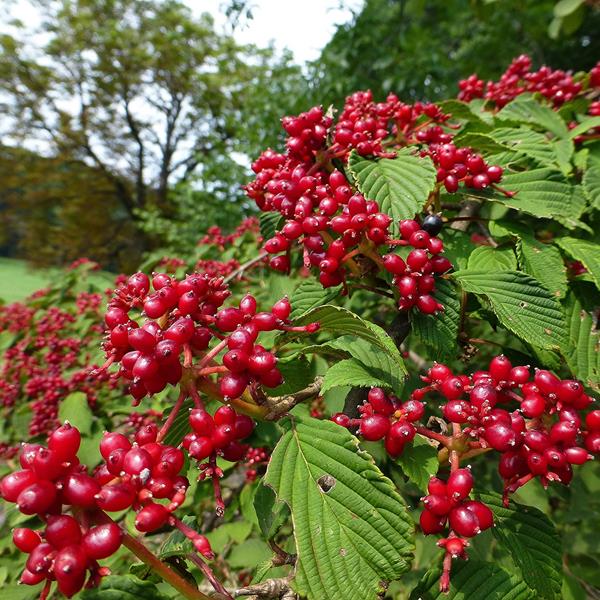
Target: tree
419, 50
140, 90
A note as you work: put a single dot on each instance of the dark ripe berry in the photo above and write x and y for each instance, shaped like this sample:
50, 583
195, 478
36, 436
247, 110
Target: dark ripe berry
408, 227
37, 498
402, 430
261, 362
341, 419
40, 559
519, 375
265, 321
233, 385
576, 455
427, 304
500, 368
413, 410
102, 541
394, 446
14, 483
452, 387
80, 490
547, 382
224, 415
272, 378
69, 569
417, 259
485, 516
459, 484
112, 441
136, 461
430, 523
243, 427
439, 372
234, 451
282, 309
248, 305
380, 402
564, 432
116, 497
236, 360
432, 224
592, 420
456, 411
201, 448
374, 427
64, 442
464, 522
512, 464
537, 441
222, 435
537, 463
141, 340
146, 434
394, 264
500, 437
151, 517
27, 539
569, 391
533, 405
201, 422
438, 505
437, 487
62, 531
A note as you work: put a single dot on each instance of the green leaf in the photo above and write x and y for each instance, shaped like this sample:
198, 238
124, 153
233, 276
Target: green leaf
473, 580
310, 294
341, 321
123, 587
419, 461
180, 425
587, 253
484, 142
399, 185
269, 223
565, 7
585, 125
582, 352
440, 331
533, 542
297, 374
75, 409
525, 141
564, 150
591, 185
354, 373
486, 258
521, 304
352, 529
461, 110
270, 513
528, 110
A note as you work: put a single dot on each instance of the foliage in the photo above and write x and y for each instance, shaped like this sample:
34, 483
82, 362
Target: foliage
397, 233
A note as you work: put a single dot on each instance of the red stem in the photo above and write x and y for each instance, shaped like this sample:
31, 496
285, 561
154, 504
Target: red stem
167, 424
207, 571
432, 435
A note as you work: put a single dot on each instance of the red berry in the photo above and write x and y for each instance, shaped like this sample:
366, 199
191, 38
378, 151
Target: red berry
26, 539
459, 484
151, 517
464, 522
64, 442
37, 498
62, 530
102, 541
374, 427
430, 523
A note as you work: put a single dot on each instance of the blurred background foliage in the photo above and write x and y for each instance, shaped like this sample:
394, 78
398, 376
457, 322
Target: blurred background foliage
130, 125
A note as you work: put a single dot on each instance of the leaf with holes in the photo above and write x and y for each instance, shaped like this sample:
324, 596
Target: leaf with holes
310, 294
533, 542
473, 580
521, 304
587, 253
399, 185
352, 529
527, 110
582, 352
440, 331
341, 321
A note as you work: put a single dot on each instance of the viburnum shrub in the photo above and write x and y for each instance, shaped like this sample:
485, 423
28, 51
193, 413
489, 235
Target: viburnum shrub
415, 322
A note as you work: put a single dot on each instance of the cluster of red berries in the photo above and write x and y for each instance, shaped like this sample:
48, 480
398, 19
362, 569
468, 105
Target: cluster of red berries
183, 318
215, 236
384, 416
255, 459
50, 478
554, 84
543, 437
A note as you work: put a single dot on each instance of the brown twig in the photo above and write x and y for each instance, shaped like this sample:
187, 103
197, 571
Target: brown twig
280, 405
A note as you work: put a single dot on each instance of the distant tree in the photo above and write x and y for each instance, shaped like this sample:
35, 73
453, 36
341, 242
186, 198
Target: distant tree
420, 49
140, 90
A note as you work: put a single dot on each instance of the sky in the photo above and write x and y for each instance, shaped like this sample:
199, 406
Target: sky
303, 27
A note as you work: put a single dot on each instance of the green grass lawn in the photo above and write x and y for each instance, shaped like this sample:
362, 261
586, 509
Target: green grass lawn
18, 280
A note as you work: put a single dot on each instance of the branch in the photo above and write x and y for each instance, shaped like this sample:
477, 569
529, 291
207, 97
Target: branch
280, 405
